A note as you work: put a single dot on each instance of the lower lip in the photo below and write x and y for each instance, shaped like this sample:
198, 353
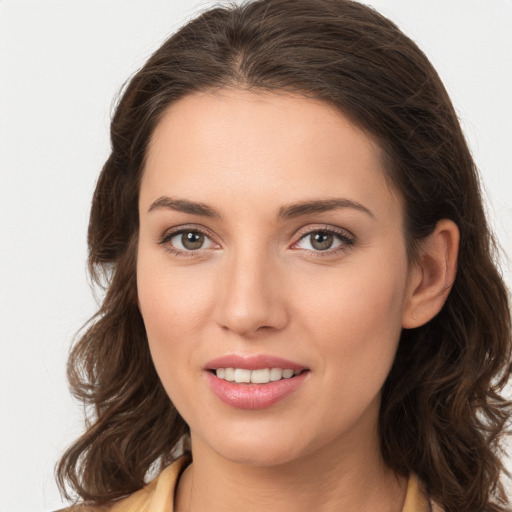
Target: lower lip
254, 396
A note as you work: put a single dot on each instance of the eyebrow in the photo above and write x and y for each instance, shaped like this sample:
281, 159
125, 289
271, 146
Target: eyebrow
183, 205
285, 213
319, 206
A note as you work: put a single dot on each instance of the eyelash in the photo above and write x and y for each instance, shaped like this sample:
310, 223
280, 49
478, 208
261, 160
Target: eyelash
169, 235
347, 240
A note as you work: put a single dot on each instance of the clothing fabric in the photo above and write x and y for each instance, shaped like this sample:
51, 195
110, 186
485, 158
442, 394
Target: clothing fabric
158, 495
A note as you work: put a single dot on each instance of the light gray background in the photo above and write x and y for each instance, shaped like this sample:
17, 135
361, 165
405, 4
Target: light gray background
61, 64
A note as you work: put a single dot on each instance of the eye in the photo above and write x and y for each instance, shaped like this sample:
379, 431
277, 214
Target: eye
187, 240
324, 240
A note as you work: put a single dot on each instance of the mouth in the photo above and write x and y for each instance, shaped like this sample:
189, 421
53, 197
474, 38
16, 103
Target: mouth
254, 382
256, 376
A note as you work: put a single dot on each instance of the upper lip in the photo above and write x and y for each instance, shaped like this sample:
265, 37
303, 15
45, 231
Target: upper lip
254, 362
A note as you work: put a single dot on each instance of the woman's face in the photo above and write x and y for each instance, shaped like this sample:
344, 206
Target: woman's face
270, 240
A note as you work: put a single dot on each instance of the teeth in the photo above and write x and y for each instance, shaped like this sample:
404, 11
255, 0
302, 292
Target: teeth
260, 376
242, 375
276, 374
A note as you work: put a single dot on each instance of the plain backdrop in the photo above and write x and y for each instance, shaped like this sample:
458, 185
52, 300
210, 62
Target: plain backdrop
61, 64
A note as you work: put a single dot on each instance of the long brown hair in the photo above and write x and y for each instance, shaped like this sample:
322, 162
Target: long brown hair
442, 415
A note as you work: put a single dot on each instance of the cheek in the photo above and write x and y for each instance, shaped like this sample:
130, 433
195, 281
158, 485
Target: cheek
355, 316
172, 303
174, 309
374, 306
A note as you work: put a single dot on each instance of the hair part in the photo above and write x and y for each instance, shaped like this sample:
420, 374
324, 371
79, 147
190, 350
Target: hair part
442, 414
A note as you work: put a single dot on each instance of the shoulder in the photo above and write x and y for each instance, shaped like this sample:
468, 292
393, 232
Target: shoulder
157, 496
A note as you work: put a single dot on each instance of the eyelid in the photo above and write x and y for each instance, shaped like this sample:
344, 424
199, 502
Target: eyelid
168, 234
312, 228
348, 239
346, 236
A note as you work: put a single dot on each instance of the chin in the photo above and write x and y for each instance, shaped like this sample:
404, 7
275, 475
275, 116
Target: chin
254, 447
260, 456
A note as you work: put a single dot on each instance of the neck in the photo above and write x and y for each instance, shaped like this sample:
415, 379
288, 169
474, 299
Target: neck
349, 476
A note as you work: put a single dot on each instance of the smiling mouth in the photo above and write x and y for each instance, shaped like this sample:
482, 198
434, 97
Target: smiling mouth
259, 376
257, 382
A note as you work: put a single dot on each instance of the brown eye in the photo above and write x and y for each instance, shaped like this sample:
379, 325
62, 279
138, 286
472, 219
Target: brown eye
192, 240
321, 240
324, 240
188, 240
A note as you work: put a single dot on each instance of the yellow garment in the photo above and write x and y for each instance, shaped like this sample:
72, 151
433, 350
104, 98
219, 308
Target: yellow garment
158, 495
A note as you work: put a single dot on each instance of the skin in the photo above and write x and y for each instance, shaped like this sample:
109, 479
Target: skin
257, 285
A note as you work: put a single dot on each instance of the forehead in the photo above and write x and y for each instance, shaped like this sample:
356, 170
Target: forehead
227, 144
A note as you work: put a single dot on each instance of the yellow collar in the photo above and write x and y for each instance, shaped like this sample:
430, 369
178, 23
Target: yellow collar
158, 495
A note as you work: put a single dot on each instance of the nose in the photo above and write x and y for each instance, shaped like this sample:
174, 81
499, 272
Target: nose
251, 297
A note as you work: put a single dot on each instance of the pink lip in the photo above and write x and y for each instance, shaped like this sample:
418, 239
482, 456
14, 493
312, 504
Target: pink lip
253, 396
252, 362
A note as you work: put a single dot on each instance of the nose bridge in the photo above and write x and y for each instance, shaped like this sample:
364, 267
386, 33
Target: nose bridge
249, 297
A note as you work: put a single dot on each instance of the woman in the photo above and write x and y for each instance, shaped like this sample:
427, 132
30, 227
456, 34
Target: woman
300, 290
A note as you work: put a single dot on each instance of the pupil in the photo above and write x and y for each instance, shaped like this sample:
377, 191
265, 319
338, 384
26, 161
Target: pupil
322, 241
192, 240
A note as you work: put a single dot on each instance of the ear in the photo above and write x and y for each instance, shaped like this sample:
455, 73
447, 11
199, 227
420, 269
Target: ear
432, 275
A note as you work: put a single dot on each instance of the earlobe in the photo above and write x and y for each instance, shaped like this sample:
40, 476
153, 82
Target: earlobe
433, 275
